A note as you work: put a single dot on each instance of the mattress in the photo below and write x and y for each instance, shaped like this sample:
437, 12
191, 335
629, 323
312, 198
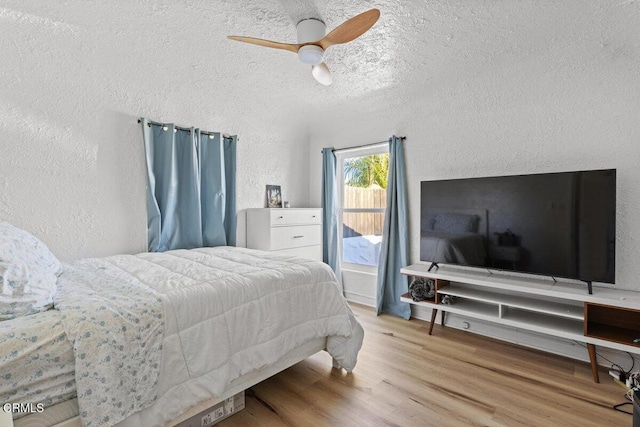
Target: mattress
36, 360
52, 415
155, 333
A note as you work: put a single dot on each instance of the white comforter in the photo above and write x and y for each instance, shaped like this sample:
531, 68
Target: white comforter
227, 312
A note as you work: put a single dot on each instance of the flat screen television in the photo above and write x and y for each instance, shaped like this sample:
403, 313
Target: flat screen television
552, 224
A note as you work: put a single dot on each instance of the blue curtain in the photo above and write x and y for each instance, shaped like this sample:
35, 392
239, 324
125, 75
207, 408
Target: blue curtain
394, 250
330, 212
190, 187
230, 215
217, 192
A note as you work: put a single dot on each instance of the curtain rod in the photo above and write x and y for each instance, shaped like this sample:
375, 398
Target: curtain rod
204, 132
402, 138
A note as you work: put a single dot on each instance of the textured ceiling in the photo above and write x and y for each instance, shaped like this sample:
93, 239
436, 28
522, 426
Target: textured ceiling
415, 47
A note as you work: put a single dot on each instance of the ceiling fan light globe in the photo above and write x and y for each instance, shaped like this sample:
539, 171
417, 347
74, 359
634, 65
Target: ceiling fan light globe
311, 54
322, 74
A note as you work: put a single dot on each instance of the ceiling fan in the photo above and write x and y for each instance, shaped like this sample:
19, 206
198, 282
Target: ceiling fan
312, 41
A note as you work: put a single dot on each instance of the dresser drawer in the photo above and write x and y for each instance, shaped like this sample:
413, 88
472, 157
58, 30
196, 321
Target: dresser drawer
295, 216
295, 236
312, 252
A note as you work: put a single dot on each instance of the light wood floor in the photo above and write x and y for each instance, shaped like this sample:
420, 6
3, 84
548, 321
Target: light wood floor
453, 378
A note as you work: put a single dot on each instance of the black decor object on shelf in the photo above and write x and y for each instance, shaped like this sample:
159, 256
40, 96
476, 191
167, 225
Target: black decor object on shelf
422, 289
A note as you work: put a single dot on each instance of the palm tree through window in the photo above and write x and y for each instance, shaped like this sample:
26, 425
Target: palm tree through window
363, 202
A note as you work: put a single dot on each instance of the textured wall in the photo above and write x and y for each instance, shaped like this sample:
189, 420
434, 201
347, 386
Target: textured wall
498, 88
75, 78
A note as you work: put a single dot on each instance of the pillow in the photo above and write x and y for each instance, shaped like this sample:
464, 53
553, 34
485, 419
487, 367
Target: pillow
28, 273
426, 221
456, 223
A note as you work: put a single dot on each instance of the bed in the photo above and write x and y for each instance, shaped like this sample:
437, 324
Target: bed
454, 236
153, 338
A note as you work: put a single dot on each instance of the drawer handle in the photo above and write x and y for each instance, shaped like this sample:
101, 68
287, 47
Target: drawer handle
280, 217
298, 237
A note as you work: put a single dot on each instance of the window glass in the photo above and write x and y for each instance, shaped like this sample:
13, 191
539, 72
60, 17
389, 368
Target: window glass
364, 198
365, 181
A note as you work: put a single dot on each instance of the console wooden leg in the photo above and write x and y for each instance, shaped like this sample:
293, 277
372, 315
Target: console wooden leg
442, 313
594, 362
433, 319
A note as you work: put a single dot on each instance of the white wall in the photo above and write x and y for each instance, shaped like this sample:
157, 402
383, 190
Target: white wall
78, 183
71, 155
557, 91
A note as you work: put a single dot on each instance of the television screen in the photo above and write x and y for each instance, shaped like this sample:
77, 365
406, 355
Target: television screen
553, 224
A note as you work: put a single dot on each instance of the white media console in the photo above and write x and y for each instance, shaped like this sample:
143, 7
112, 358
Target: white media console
608, 317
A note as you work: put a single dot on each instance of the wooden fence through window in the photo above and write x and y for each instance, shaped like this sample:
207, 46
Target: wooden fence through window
363, 223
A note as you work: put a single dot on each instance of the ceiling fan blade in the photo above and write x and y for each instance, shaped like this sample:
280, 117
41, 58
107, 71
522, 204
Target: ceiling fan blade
351, 29
266, 43
322, 74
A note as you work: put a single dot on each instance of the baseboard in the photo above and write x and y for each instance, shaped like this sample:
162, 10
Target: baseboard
359, 286
542, 342
360, 299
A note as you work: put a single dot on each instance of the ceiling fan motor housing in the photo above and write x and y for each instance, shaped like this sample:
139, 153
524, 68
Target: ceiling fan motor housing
310, 30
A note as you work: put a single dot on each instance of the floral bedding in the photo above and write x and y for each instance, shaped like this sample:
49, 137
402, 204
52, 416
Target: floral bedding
115, 325
36, 360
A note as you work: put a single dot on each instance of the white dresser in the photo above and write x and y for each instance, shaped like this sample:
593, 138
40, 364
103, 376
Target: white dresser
291, 231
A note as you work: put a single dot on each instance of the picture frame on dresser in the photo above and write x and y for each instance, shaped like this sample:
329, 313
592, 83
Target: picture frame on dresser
274, 196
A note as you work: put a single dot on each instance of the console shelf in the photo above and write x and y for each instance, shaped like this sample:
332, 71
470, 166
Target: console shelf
525, 302
608, 317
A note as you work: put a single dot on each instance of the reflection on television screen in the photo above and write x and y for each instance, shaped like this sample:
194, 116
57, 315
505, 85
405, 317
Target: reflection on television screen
555, 224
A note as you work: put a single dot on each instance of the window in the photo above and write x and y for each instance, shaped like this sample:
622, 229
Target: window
363, 199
